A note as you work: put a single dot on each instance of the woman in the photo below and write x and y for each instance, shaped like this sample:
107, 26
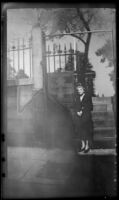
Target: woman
83, 119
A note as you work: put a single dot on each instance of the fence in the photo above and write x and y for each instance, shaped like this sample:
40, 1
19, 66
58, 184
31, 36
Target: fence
19, 59
62, 59
59, 58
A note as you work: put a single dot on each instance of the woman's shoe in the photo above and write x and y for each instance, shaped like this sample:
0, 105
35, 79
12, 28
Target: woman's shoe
82, 149
86, 150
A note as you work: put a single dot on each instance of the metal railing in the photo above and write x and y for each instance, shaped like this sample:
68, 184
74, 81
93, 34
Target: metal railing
62, 59
71, 55
19, 59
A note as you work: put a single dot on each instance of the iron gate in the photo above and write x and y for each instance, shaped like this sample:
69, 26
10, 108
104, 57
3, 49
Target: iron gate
19, 59
63, 66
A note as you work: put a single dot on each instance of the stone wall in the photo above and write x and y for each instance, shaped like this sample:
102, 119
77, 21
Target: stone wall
24, 96
19, 93
61, 87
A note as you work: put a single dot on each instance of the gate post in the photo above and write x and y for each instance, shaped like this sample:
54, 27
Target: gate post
39, 82
37, 57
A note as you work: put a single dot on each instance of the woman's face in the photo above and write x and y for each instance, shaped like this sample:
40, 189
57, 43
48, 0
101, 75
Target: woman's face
80, 90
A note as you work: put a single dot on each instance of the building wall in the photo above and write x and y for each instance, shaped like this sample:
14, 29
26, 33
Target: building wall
19, 93
24, 95
18, 123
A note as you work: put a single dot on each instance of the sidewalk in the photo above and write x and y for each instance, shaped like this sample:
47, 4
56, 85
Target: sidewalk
26, 174
37, 172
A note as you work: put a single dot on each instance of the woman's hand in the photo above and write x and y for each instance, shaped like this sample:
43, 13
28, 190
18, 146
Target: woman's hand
80, 113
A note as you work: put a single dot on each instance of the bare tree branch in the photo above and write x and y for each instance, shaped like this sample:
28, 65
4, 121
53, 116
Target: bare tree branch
78, 37
83, 20
67, 29
90, 18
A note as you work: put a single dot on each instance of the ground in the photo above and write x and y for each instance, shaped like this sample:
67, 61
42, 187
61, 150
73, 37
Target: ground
38, 172
50, 167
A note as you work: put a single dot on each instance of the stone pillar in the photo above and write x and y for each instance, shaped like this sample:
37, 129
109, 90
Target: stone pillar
37, 57
39, 103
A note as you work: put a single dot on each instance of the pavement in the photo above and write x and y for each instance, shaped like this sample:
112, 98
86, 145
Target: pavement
41, 172
49, 167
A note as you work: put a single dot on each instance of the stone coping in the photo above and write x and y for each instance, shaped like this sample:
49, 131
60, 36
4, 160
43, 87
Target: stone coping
17, 82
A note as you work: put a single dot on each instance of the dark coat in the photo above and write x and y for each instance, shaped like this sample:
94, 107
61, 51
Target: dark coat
83, 124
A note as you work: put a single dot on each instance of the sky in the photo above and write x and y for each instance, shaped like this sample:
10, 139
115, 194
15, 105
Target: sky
19, 24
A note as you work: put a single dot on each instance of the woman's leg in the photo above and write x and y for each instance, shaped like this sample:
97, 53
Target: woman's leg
83, 144
87, 148
87, 144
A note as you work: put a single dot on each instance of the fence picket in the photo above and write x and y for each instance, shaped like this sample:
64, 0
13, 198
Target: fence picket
16, 54
54, 55
74, 55
23, 56
76, 47
59, 58
13, 56
30, 57
60, 54
48, 59
70, 50
65, 53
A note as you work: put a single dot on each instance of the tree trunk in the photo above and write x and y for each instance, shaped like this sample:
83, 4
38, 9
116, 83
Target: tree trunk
85, 60
87, 45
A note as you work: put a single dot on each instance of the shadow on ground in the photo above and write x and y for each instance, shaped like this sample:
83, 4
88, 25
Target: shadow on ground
51, 128
48, 126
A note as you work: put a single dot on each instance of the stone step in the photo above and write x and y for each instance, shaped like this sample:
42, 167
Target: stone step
105, 131
100, 142
101, 107
99, 100
104, 144
104, 123
100, 115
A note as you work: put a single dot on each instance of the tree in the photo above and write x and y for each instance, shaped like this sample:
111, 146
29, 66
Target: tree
21, 74
78, 19
66, 20
89, 76
106, 52
11, 72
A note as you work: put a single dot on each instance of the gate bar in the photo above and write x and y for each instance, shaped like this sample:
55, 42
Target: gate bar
94, 31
